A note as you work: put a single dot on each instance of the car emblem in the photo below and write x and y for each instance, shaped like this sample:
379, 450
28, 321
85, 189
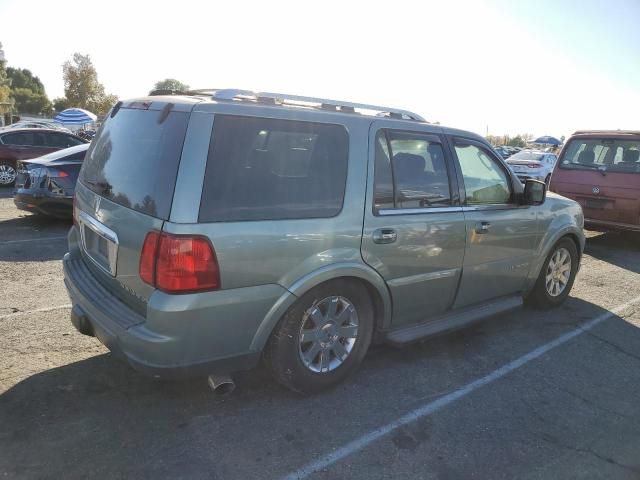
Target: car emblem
595, 190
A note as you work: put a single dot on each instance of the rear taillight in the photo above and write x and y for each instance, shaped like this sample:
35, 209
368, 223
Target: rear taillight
534, 165
179, 263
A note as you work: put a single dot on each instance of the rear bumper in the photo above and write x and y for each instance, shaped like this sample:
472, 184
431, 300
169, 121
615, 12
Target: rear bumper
171, 341
607, 225
43, 203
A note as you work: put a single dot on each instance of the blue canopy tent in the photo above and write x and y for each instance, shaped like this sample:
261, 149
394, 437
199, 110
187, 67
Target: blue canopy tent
75, 116
547, 140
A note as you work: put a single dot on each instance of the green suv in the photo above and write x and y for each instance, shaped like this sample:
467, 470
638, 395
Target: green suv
213, 229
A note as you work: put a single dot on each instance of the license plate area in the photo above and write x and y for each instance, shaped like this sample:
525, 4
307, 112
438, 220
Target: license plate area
595, 204
99, 243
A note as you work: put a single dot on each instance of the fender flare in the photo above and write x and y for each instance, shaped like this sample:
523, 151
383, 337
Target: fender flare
313, 279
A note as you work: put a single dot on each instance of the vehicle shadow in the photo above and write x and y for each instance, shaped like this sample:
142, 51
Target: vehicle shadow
99, 417
33, 238
615, 248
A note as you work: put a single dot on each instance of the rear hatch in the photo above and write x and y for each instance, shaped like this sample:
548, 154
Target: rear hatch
125, 190
603, 175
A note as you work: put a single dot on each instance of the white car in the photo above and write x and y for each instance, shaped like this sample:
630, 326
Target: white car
532, 164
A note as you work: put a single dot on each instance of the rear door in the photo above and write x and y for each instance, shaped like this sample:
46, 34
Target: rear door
414, 229
125, 190
24, 145
500, 233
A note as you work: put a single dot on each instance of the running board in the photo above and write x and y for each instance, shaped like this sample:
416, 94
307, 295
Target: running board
452, 320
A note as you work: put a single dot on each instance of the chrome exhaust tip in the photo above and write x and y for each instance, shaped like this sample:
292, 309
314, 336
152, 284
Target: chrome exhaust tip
221, 384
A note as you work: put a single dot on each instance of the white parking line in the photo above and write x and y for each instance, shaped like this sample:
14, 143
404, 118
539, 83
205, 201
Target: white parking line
431, 407
9, 242
37, 310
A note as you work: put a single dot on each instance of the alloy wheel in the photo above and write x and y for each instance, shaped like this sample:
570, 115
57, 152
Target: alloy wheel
328, 334
558, 272
7, 174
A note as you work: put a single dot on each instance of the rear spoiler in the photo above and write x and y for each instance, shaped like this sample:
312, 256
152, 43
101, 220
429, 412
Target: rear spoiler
614, 132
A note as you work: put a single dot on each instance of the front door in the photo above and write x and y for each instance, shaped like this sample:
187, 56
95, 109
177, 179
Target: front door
414, 229
501, 234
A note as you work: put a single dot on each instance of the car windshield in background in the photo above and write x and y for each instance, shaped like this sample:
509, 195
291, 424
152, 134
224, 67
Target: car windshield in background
134, 159
607, 155
526, 156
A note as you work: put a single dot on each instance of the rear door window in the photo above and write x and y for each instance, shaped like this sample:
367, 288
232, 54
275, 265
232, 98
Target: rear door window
134, 159
410, 171
268, 169
61, 140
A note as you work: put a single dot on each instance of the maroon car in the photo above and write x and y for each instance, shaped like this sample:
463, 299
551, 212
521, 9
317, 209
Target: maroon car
26, 143
600, 169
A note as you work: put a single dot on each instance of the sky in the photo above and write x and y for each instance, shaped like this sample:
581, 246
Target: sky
545, 67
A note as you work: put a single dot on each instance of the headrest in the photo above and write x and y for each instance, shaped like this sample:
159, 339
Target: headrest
407, 164
631, 156
586, 157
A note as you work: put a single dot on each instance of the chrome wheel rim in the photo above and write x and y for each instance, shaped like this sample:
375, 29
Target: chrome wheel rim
328, 334
7, 174
558, 272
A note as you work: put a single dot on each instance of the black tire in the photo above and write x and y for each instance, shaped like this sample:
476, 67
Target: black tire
282, 353
8, 168
540, 296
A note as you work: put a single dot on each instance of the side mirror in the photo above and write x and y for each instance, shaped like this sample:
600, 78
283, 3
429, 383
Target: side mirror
535, 192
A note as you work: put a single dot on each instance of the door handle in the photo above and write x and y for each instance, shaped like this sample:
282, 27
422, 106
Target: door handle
384, 235
482, 227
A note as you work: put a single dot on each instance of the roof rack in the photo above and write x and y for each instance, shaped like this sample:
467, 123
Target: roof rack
623, 132
309, 102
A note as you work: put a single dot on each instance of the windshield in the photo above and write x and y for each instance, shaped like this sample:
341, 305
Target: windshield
608, 154
526, 156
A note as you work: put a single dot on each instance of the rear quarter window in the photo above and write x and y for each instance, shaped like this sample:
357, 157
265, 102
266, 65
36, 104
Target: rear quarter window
137, 154
269, 169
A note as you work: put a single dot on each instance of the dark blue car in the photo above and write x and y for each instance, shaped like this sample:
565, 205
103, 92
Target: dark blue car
46, 184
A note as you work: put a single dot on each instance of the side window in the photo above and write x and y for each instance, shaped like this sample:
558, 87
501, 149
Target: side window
268, 169
410, 171
20, 138
60, 140
71, 141
485, 181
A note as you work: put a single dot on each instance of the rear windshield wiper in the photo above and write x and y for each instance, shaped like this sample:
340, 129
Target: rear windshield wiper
102, 187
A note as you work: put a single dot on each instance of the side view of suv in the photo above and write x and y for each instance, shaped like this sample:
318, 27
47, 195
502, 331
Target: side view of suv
600, 169
217, 228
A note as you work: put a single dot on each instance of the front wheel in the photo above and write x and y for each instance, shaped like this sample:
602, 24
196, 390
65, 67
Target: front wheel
7, 174
323, 337
556, 276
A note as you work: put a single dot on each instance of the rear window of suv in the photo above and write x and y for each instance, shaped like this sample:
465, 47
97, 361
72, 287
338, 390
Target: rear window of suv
134, 159
604, 154
268, 169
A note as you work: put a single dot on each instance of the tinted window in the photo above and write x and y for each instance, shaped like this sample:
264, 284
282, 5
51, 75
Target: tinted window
28, 139
602, 154
260, 169
61, 140
410, 171
134, 159
485, 181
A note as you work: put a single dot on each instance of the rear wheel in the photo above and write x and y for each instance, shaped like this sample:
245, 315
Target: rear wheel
556, 276
7, 174
323, 337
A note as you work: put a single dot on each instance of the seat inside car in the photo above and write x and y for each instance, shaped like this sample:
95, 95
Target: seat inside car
586, 157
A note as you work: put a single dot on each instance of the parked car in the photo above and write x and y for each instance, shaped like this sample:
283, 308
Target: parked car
502, 151
212, 231
532, 164
27, 143
46, 184
36, 124
600, 169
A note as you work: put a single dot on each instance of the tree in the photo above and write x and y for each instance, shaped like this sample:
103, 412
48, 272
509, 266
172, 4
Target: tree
23, 78
171, 84
5, 83
28, 92
82, 88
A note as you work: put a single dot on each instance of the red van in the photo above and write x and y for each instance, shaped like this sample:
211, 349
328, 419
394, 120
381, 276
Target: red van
600, 169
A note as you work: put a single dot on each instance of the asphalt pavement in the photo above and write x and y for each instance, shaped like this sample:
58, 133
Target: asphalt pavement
529, 394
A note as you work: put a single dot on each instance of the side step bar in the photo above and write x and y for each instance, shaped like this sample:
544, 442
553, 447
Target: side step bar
452, 320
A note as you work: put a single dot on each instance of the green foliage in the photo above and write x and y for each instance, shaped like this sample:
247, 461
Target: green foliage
517, 141
26, 101
23, 78
82, 88
5, 90
171, 84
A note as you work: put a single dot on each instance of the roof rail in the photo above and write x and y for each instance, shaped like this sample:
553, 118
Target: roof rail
623, 132
309, 102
